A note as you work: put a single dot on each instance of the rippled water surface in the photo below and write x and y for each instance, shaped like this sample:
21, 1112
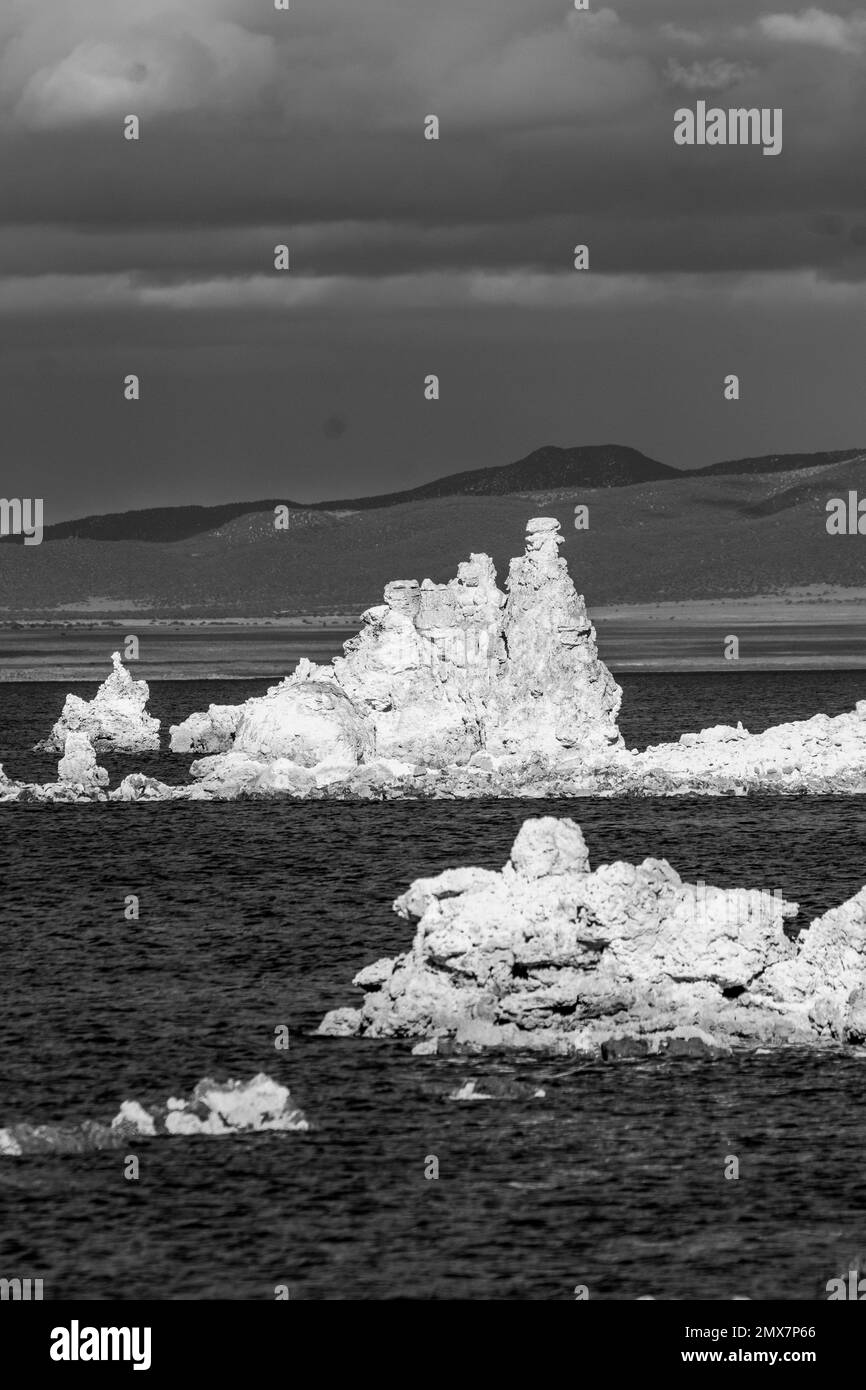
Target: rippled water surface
257, 914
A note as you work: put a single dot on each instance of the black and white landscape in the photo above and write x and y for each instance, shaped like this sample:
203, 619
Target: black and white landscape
432, 664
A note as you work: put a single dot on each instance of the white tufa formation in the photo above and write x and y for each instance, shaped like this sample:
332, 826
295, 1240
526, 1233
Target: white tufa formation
215, 1108
116, 717
550, 954
439, 675
450, 690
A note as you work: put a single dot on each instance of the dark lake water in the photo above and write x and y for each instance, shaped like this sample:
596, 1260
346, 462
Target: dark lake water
255, 915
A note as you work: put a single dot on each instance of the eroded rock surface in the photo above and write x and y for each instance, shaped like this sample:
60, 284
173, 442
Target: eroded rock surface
116, 718
550, 954
78, 767
214, 1108
821, 754
453, 691
441, 676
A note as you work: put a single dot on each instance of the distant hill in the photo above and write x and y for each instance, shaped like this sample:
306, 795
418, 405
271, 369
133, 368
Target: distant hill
156, 523
813, 485
594, 465
549, 469
695, 536
780, 463
602, 465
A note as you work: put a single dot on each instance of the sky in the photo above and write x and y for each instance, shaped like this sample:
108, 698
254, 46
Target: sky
411, 257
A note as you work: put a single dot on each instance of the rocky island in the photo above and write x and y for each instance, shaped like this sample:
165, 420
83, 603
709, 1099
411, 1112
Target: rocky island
449, 690
625, 960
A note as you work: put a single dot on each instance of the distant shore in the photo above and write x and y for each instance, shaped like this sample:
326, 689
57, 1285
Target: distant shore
800, 629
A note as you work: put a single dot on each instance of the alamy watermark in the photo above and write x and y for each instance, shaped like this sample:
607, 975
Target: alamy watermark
736, 126
76, 1343
464, 648
21, 1290
853, 1288
734, 908
22, 516
846, 517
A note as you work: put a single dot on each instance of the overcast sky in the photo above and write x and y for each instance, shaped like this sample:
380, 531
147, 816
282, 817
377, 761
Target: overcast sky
412, 257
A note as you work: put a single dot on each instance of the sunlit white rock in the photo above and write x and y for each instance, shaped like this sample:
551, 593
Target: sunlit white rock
116, 717
78, 765
440, 676
549, 953
214, 1108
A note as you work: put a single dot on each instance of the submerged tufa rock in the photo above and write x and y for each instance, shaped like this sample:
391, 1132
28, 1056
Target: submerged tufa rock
214, 1108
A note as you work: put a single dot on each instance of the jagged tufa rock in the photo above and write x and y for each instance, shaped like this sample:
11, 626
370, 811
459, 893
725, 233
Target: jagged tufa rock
550, 954
450, 691
553, 694
438, 675
116, 717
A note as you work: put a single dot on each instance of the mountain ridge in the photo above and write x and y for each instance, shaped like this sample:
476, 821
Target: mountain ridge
706, 537
547, 468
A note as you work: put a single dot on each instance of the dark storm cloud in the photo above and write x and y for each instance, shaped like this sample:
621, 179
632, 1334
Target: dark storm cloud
306, 127
769, 240
408, 256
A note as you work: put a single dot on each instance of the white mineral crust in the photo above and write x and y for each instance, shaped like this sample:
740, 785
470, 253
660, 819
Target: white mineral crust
451, 691
549, 953
116, 717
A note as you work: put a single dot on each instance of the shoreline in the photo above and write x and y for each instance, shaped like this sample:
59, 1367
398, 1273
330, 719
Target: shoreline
94, 674
799, 630
831, 602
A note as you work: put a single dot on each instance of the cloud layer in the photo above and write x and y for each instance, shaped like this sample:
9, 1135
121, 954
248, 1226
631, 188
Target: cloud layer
556, 126
409, 256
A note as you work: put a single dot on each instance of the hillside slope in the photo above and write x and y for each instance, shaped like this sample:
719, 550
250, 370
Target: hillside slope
695, 537
607, 465
596, 466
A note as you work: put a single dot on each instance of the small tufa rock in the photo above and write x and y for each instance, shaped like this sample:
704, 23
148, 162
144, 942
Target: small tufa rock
549, 846
115, 719
78, 764
215, 1108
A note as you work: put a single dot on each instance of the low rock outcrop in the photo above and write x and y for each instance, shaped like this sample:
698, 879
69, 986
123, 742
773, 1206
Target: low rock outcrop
550, 954
116, 718
211, 732
821, 754
214, 1108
